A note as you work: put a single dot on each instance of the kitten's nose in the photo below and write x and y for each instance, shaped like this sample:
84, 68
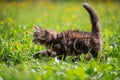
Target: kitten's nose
34, 41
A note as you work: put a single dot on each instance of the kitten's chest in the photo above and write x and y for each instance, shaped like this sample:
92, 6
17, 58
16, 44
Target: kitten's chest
60, 45
54, 46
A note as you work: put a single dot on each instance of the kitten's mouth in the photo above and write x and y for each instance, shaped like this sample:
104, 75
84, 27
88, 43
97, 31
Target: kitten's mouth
38, 43
35, 42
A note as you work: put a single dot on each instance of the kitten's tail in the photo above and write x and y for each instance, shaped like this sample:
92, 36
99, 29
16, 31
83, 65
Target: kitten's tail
94, 19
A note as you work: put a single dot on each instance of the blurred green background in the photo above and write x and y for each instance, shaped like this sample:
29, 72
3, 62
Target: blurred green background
17, 20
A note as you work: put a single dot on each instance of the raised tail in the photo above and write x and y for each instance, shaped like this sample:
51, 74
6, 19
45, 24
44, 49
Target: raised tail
94, 19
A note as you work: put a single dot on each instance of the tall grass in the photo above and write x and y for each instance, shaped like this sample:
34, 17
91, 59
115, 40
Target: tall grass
17, 20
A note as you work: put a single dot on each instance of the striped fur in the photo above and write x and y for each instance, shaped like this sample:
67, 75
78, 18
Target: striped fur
70, 42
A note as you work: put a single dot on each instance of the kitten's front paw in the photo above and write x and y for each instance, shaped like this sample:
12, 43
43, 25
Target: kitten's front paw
36, 55
102, 57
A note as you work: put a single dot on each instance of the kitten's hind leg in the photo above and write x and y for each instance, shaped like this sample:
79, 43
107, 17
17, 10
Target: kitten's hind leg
44, 53
94, 54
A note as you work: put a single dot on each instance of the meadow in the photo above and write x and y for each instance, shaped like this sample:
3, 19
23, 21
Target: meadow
17, 20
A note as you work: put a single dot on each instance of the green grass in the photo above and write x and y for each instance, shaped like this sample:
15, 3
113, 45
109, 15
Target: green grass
17, 20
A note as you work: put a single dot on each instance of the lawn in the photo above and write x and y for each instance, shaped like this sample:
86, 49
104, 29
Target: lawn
17, 20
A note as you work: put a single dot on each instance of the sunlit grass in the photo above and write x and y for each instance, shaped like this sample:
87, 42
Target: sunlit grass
17, 20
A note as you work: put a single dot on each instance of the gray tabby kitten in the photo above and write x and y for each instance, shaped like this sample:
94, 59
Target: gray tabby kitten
71, 42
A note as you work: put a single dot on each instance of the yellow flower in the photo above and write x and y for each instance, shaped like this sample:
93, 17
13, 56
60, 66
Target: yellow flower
38, 19
90, 26
51, 6
73, 17
27, 31
10, 20
15, 31
2, 22
113, 17
68, 9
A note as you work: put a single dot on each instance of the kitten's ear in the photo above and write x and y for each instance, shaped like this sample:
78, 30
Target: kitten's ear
37, 28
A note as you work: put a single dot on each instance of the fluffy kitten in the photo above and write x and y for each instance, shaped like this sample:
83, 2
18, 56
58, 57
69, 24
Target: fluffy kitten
71, 42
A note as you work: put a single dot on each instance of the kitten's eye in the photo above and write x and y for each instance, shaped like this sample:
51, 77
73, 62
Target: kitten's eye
37, 34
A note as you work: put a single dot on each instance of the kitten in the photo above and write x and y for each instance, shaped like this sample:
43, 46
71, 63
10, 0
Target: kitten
71, 42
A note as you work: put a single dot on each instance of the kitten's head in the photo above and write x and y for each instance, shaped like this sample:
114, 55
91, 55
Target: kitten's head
40, 35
